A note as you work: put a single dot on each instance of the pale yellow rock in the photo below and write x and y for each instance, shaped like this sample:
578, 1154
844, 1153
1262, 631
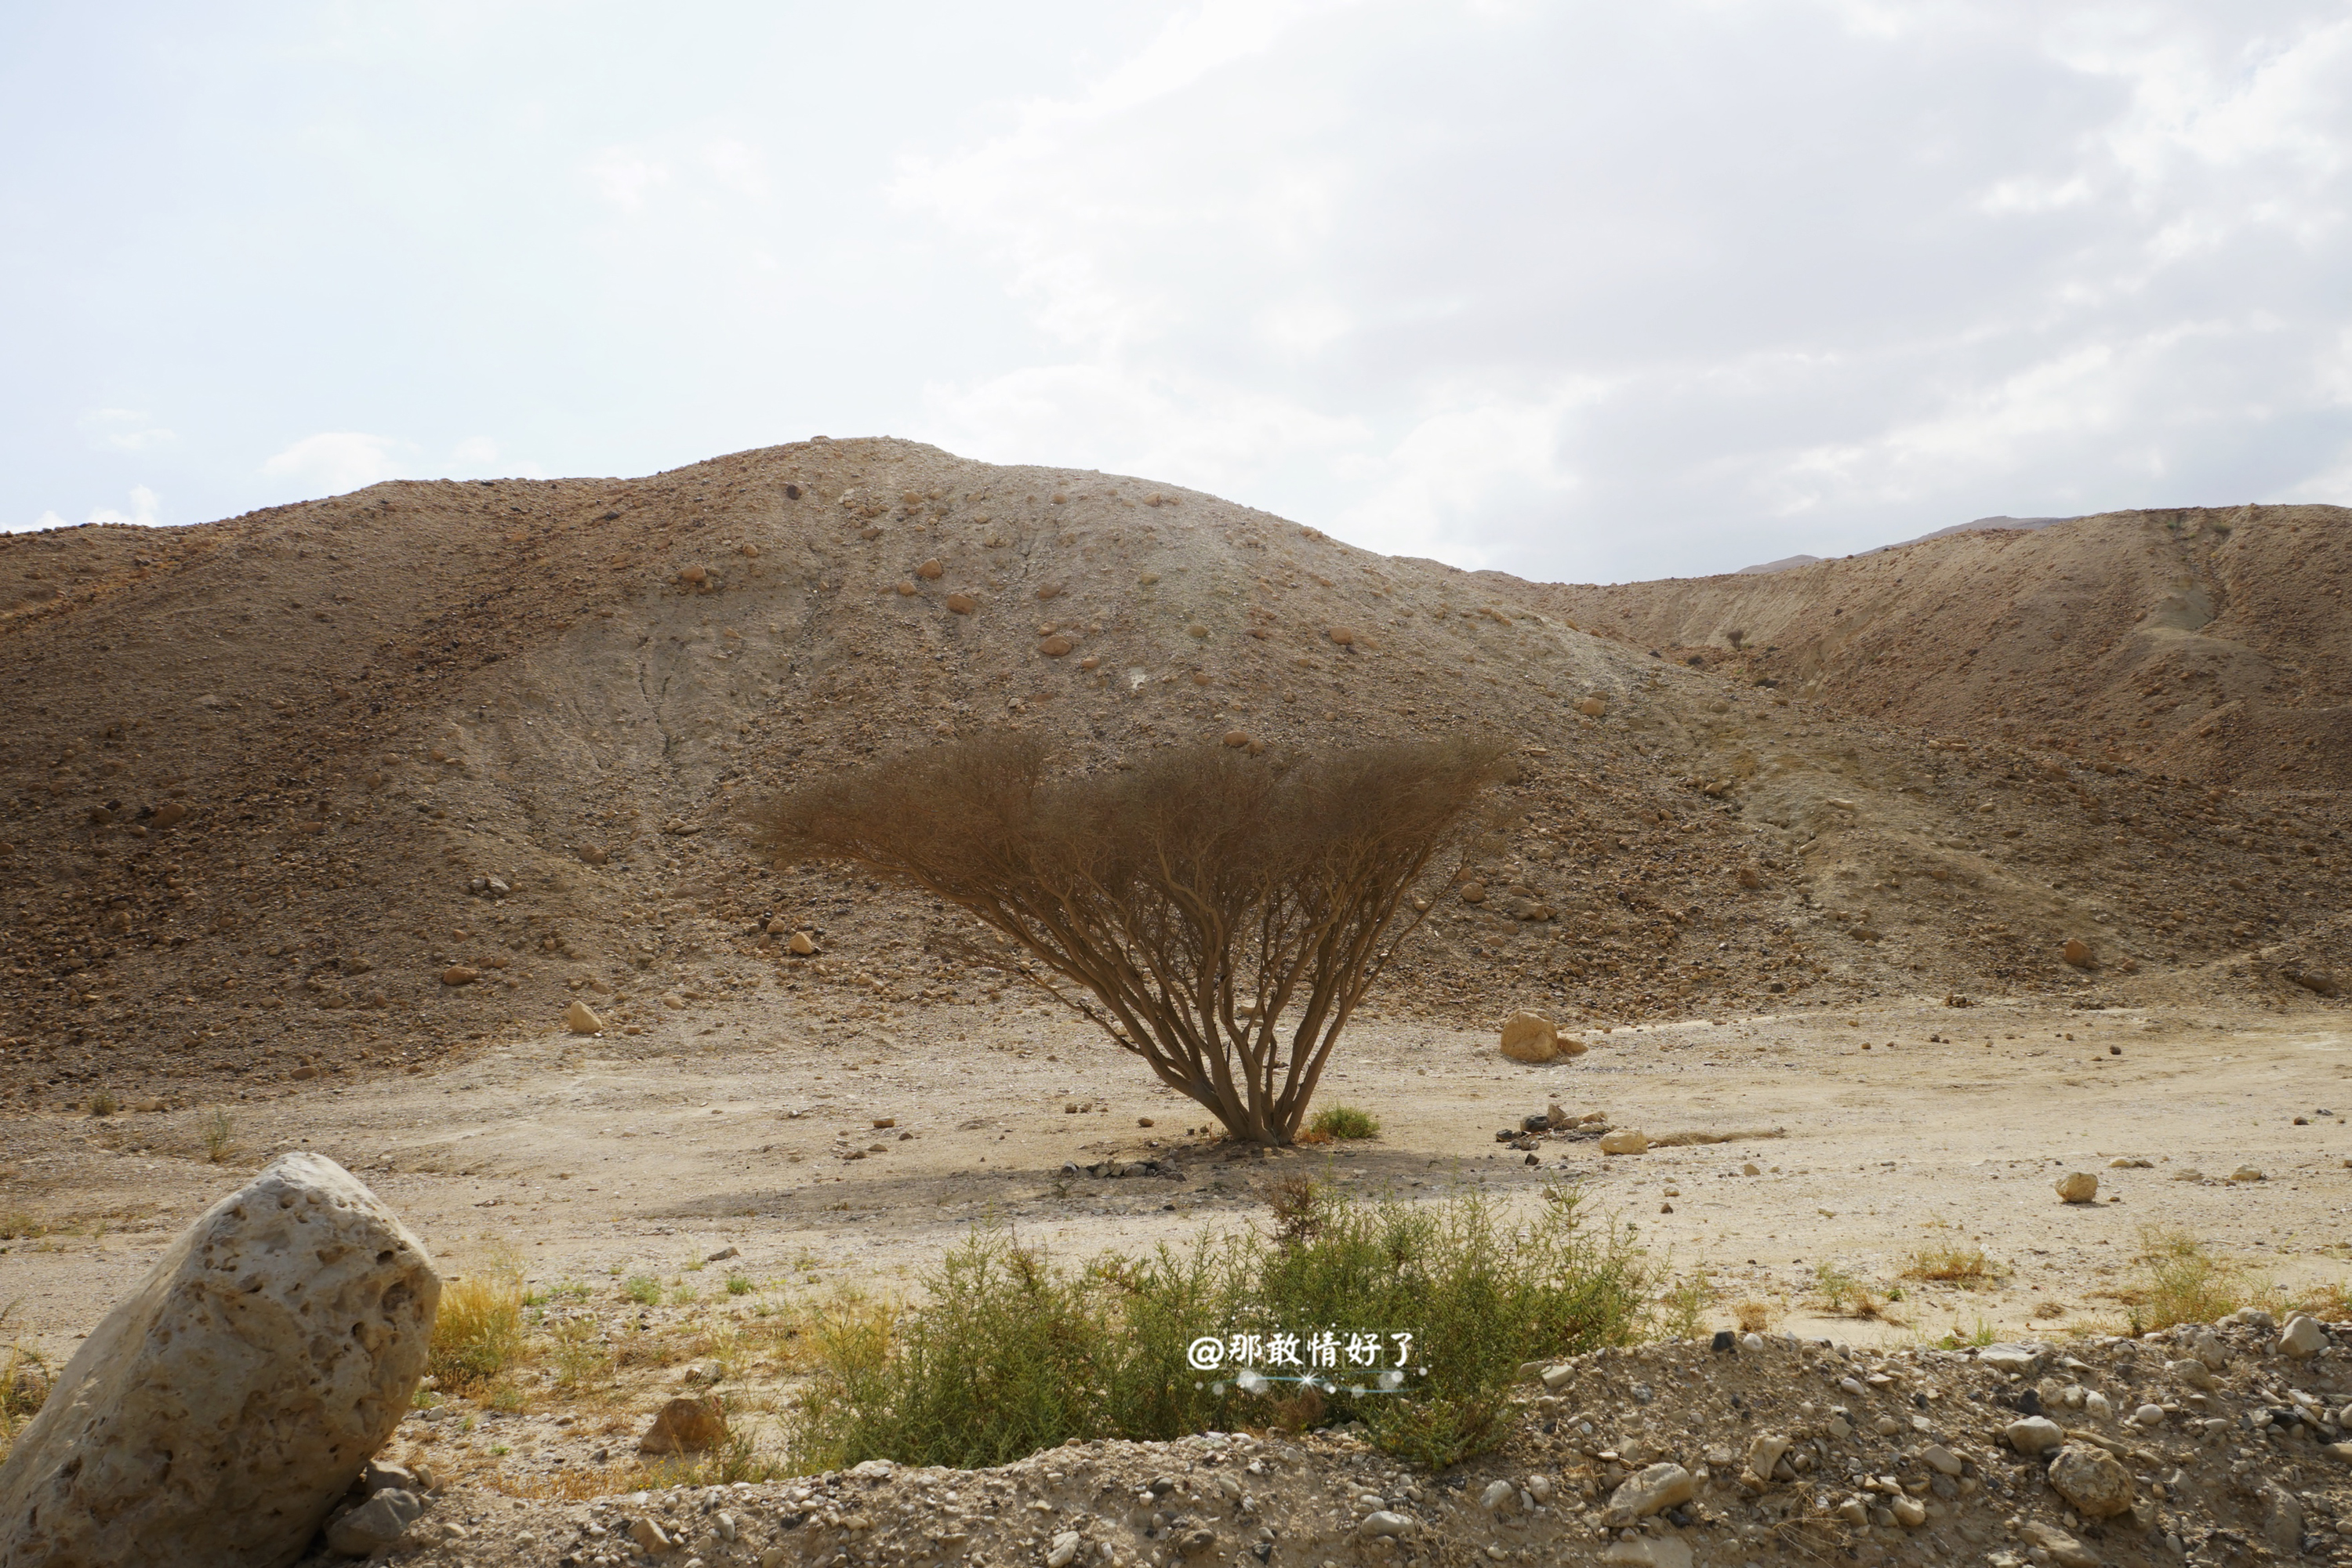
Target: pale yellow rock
801, 945
222, 1408
581, 1020
1593, 707
1530, 1037
458, 974
1625, 1141
2078, 1186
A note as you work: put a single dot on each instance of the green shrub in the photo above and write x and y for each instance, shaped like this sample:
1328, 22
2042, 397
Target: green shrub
1343, 1122
1009, 1353
642, 1288
739, 1285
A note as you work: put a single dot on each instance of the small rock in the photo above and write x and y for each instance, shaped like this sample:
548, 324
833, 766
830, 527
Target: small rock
581, 1020
1764, 1452
2093, 1480
1529, 1036
1473, 893
1384, 1523
723, 1254
2008, 1358
2078, 1187
592, 854
375, 1524
800, 946
1624, 1140
2063, 1549
1908, 1511
1941, 1459
1342, 635
2148, 1416
1064, 1550
458, 974
1555, 1378
1237, 739
2188, 1173
1593, 707
684, 1426
1500, 1497
2303, 1338
168, 815
1197, 1543
2034, 1434
931, 571
962, 603
2248, 1173
649, 1535
1055, 647
1659, 1487
2077, 951
2193, 1372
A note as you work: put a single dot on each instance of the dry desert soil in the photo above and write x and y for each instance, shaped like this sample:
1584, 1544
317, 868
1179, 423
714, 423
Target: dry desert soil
313, 823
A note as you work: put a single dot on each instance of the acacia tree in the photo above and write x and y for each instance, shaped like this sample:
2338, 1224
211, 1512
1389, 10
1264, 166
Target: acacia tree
1219, 915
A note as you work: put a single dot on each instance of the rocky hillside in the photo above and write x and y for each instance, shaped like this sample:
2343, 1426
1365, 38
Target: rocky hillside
2212, 644
334, 786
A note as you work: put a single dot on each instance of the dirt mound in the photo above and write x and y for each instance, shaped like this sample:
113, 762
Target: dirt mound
2213, 645
348, 784
2188, 1442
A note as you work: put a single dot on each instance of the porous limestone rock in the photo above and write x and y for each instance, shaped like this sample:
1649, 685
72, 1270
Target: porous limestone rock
220, 1412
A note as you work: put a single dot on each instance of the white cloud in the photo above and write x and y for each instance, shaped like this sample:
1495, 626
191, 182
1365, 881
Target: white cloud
626, 178
144, 509
334, 461
474, 452
123, 430
46, 520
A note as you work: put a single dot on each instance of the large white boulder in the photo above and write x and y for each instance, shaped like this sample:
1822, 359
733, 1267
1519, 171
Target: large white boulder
220, 1410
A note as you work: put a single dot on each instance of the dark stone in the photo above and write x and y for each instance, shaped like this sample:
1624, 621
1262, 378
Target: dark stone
2029, 1403
1726, 1342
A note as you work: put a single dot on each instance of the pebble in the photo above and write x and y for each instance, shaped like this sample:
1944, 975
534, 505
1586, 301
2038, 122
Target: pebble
962, 603
458, 974
376, 1523
1659, 1487
1624, 1140
2303, 1338
2148, 1416
582, 1020
2034, 1434
1065, 1549
1528, 1036
801, 945
2247, 1174
1384, 1523
2093, 1480
2078, 1187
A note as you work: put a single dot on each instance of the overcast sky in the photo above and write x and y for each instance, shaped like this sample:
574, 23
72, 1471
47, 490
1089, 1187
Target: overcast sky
1579, 292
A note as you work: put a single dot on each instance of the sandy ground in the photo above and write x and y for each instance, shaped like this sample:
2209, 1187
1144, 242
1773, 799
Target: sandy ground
1874, 1133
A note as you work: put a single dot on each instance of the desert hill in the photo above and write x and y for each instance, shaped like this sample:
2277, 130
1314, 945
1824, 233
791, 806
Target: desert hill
2213, 645
336, 786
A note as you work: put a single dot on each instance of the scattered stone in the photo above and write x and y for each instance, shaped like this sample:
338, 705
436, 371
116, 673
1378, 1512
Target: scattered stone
2148, 1416
931, 570
2130, 1163
458, 974
169, 815
375, 1524
2188, 1173
1237, 737
581, 1020
2063, 1549
1500, 1497
1342, 635
1529, 1036
2077, 951
1624, 1140
1593, 707
2078, 1187
2303, 1337
1473, 893
962, 603
1908, 1511
686, 1427
271, 1350
1055, 647
591, 854
2193, 1372
2093, 1480
800, 946
2034, 1434
1941, 1459
2008, 1358
2248, 1173
1764, 1452
649, 1534
1657, 1487
1064, 1551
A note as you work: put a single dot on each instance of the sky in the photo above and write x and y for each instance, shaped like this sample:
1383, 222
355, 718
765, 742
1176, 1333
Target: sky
1584, 293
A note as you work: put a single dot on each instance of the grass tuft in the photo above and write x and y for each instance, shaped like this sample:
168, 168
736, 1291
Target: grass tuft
478, 1332
1341, 1124
219, 1136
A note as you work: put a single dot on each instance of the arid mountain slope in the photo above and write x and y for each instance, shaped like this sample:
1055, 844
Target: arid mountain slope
2212, 644
264, 771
